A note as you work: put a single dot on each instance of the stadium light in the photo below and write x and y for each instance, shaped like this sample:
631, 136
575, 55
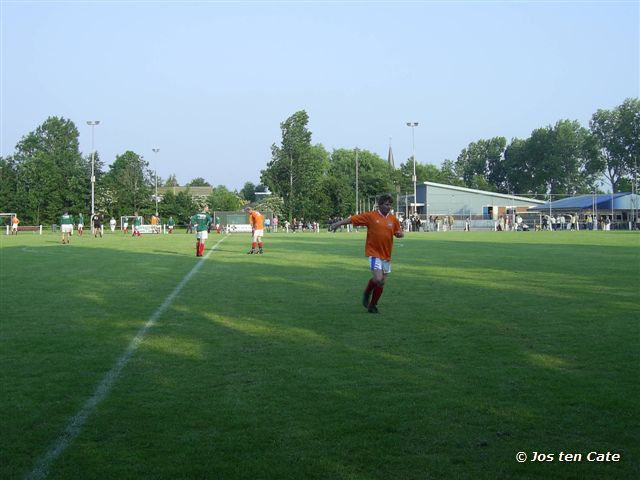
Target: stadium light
156, 150
413, 143
357, 208
93, 123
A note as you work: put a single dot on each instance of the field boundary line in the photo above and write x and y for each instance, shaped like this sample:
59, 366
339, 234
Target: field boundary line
74, 426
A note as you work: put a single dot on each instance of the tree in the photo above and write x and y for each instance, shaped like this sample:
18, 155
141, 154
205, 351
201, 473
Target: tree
8, 185
295, 169
271, 204
198, 182
130, 181
51, 175
180, 206
171, 181
479, 165
224, 200
375, 176
448, 174
617, 134
248, 192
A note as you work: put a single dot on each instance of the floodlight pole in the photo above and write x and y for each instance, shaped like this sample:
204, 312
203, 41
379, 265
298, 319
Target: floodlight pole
93, 123
156, 150
357, 204
413, 143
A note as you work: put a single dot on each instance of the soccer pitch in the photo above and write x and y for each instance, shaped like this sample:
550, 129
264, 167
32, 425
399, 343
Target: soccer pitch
131, 358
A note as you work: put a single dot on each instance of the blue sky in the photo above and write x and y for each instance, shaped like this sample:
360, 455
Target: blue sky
208, 83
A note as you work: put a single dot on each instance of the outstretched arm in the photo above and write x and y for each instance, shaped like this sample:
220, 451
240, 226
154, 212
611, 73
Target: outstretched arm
334, 226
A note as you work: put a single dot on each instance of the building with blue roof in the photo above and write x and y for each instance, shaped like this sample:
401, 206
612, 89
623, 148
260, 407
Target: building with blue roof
621, 209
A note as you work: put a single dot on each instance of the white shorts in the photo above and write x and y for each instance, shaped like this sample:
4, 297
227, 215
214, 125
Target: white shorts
203, 235
377, 264
258, 233
66, 228
81, 225
14, 226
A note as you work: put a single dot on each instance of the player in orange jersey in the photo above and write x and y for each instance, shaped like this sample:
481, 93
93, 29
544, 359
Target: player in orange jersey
257, 229
382, 226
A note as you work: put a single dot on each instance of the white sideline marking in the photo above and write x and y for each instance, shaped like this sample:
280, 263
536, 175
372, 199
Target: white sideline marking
73, 428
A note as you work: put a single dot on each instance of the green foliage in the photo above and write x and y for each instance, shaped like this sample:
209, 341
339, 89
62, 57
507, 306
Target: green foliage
8, 185
296, 167
248, 192
171, 181
198, 182
271, 204
47, 173
131, 183
558, 159
617, 133
478, 164
50, 174
180, 206
224, 200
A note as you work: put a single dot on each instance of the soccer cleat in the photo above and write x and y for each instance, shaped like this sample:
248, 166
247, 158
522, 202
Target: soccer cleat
372, 309
250, 252
365, 299
260, 252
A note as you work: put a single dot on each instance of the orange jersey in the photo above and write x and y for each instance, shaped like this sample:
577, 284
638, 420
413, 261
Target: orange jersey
15, 220
380, 232
257, 220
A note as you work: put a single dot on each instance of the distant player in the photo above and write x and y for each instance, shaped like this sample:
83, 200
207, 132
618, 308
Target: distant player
80, 224
112, 224
256, 219
66, 226
96, 219
201, 222
14, 225
170, 224
382, 226
137, 222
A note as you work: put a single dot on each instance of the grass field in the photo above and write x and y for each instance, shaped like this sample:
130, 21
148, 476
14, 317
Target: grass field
268, 367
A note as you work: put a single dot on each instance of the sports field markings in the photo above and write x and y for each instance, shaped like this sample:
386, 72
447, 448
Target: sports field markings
73, 428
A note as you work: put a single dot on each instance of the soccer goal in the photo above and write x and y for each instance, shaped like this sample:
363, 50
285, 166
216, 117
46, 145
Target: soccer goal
143, 228
232, 222
128, 221
5, 219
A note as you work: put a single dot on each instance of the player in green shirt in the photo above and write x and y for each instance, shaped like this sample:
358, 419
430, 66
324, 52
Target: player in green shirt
201, 222
80, 224
66, 226
170, 224
137, 221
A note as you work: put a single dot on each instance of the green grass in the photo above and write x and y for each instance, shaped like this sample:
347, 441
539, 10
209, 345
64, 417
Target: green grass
268, 367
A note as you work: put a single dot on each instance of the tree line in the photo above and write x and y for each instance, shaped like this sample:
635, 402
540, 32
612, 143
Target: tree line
47, 174
561, 159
